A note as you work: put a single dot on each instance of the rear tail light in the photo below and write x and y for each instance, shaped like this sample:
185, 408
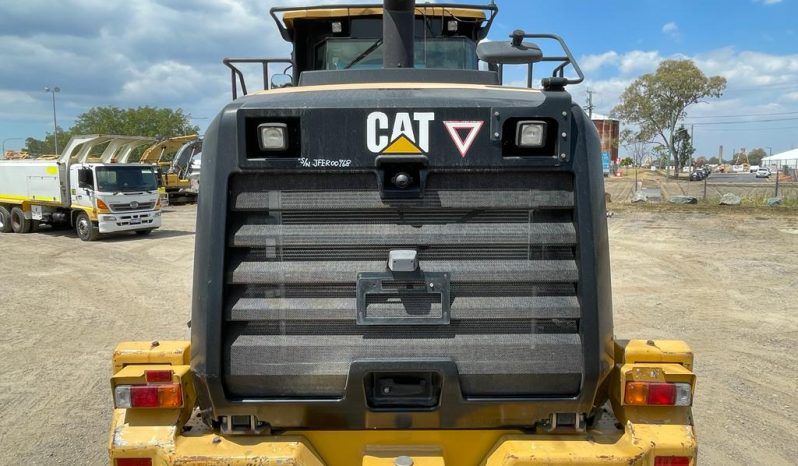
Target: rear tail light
657, 394
133, 462
672, 461
148, 396
159, 376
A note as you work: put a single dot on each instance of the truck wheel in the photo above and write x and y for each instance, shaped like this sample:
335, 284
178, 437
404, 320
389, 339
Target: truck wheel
85, 229
20, 224
5, 220
144, 232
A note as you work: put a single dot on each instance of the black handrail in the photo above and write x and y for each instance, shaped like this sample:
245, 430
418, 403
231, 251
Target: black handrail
236, 74
559, 71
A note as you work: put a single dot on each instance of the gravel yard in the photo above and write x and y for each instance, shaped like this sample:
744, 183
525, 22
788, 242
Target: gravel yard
725, 281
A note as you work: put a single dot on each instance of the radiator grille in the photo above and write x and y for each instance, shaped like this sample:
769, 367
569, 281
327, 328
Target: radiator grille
296, 243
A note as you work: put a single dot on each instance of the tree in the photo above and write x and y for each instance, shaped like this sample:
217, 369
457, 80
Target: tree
713, 160
683, 147
635, 144
37, 147
141, 121
657, 102
627, 162
755, 156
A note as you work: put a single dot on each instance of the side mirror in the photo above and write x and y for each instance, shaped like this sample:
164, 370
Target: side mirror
515, 52
85, 178
281, 80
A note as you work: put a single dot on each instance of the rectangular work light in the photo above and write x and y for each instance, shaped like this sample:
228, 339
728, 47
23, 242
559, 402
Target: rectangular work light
530, 134
273, 136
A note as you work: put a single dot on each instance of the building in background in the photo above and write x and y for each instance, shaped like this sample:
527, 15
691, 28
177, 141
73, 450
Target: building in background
609, 132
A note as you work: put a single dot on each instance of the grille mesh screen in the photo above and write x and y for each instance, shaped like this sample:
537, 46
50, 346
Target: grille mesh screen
297, 242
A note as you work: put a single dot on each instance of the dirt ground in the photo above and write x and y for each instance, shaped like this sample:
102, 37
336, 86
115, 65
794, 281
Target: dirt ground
724, 281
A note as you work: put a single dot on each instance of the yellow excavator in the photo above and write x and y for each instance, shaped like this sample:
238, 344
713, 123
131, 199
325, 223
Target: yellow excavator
172, 157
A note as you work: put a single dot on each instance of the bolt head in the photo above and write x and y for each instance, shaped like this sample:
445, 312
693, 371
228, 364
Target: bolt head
564, 134
563, 156
496, 134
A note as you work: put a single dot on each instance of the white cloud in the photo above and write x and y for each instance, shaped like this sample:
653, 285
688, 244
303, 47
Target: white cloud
768, 2
590, 63
670, 28
758, 84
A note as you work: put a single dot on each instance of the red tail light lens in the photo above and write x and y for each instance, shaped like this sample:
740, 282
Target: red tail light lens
144, 396
159, 376
133, 462
661, 394
672, 461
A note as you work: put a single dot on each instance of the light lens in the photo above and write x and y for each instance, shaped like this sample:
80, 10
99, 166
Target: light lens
684, 394
144, 396
148, 396
636, 393
657, 394
336, 27
122, 396
451, 25
102, 205
662, 394
531, 134
273, 136
170, 396
672, 461
158, 376
133, 462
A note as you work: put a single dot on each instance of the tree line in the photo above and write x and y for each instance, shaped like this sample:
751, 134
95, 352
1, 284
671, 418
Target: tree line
140, 121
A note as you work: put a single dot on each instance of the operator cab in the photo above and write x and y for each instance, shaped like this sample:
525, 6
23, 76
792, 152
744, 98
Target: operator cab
352, 38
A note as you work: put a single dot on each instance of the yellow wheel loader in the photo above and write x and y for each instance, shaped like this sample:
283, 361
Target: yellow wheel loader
402, 261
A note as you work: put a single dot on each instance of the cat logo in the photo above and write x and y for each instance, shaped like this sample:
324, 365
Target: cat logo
407, 134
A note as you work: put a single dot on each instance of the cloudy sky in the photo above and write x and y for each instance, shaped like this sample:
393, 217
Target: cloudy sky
168, 53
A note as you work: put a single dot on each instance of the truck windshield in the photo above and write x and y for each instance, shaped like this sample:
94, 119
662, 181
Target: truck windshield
126, 179
451, 53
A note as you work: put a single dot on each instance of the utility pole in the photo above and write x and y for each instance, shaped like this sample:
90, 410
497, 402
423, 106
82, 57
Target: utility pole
590, 105
53, 90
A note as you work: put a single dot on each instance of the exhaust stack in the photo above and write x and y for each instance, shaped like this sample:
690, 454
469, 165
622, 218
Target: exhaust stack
398, 23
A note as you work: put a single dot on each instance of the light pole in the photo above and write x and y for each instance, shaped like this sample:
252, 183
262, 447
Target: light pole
3, 154
53, 90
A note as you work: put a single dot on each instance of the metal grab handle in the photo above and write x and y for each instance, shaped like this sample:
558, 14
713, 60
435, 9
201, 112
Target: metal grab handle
404, 286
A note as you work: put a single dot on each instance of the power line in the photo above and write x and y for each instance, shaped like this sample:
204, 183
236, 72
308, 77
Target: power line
740, 116
743, 122
763, 87
781, 128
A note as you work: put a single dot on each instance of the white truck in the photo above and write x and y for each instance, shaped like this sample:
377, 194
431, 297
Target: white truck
84, 188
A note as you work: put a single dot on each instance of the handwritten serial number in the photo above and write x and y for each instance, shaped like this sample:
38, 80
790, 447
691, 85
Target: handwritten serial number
316, 163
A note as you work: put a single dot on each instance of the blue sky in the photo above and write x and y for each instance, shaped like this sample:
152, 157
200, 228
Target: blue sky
168, 53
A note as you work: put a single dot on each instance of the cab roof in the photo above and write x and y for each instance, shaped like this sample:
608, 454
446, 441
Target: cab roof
457, 11
304, 13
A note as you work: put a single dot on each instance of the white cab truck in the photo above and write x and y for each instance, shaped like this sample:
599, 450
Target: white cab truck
85, 189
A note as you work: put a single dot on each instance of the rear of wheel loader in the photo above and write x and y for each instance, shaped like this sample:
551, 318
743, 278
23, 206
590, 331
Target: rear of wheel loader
399, 261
